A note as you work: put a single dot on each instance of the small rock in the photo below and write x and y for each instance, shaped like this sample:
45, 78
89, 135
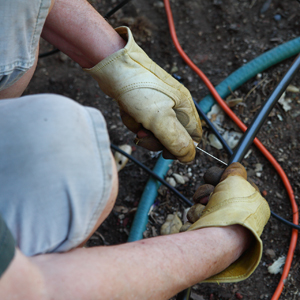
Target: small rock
121, 209
121, 216
264, 193
179, 179
258, 167
171, 181
292, 89
238, 296
158, 4
120, 159
63, 57
186, 179
197, 297
277, 17
214, 141
270, 253
174, 69
172, 225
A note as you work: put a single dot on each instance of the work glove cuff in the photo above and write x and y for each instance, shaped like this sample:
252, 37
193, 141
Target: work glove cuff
250, 210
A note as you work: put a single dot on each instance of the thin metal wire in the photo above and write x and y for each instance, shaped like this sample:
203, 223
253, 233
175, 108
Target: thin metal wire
219, 160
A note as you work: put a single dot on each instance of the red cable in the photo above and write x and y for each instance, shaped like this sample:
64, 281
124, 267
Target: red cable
259, 145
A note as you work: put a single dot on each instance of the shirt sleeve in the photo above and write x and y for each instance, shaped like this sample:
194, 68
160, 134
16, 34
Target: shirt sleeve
7, 246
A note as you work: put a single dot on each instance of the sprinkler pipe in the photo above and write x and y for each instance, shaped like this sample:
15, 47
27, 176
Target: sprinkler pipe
235, 80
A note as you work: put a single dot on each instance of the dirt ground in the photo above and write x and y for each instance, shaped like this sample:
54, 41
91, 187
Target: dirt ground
219, 36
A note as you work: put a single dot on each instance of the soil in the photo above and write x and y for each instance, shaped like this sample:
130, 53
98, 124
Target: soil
219, 36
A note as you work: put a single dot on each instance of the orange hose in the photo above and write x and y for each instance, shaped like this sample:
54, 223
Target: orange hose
259, 145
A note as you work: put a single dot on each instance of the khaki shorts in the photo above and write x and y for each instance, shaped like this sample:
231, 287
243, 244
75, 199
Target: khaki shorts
21, 23
55, 171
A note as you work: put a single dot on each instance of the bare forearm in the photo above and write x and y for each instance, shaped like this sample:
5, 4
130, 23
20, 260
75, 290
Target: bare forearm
156, 268
78, 30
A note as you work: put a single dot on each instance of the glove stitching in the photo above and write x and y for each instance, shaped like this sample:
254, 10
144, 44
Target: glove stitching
230, 201
101, 65
178, 84
150, 85
258, 221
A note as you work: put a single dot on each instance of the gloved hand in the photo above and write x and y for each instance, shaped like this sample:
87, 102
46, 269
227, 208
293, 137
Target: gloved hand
233, 201
149, 98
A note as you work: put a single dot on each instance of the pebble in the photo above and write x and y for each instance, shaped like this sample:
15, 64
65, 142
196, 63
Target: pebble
186, 179
238, 296
158, 4
121, 209
171, 181
121, 216
258, 76
277, 17
270, 253
197, 297
179, 179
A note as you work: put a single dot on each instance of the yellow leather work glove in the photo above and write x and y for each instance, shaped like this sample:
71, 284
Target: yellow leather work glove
233, 201
150, 98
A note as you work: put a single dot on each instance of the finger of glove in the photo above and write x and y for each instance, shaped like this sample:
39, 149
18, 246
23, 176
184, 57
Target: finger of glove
188, 116
235, 169
184, 106
175, 139
154, 110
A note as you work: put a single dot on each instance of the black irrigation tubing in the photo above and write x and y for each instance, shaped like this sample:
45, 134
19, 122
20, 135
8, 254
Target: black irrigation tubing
106, 16
286, 222
263, 113
48, 53
115, 9
213, 128
177, 193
